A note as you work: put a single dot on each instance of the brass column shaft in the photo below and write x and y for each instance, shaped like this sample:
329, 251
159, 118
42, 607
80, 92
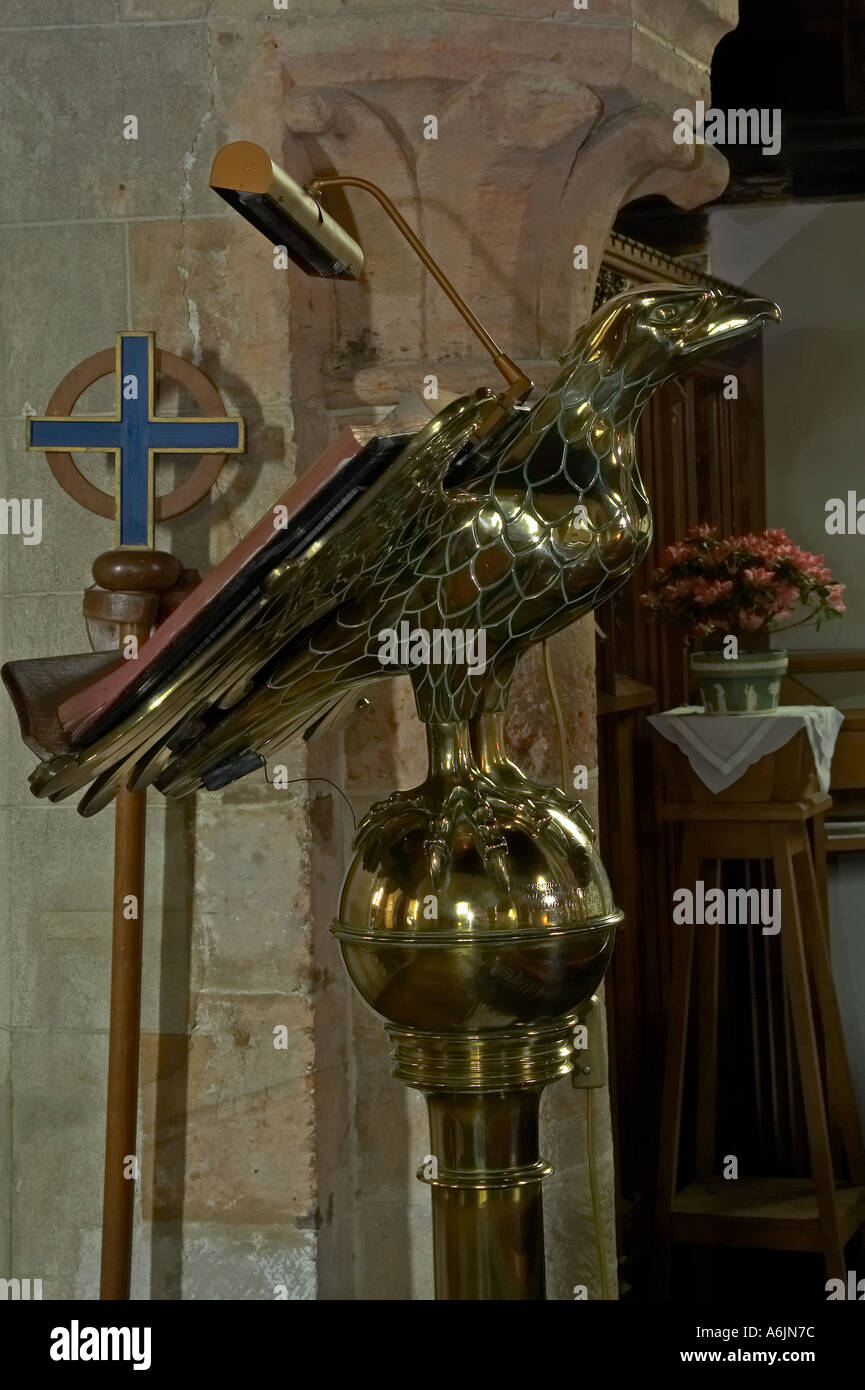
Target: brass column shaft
488, 1229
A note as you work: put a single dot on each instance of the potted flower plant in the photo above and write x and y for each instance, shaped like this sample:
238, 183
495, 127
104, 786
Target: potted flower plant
721, 587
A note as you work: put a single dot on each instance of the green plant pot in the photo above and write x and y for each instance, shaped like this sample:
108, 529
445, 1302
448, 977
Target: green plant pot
747, 684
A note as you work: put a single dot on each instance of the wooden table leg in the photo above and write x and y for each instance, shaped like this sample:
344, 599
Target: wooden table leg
817, 827
708, 955
756, 1014
674, 1071
841, 1092
796, 978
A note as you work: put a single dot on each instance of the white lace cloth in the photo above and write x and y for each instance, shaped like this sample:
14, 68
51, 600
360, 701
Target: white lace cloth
721, 747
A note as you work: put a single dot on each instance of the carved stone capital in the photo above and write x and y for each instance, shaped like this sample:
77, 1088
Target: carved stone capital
507, 139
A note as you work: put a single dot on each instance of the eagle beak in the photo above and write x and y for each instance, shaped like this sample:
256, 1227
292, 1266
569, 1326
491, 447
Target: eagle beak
762, 310
730, 318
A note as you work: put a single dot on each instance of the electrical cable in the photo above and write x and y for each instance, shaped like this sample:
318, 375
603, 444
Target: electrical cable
290, 781
596, 1205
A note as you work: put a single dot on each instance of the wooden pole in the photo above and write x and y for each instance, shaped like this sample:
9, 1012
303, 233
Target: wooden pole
132, 583
121, 1161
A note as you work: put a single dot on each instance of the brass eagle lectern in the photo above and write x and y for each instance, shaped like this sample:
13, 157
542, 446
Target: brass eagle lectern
476, 918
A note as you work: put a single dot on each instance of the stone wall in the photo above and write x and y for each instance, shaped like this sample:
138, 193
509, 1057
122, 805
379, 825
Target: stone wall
280, 1173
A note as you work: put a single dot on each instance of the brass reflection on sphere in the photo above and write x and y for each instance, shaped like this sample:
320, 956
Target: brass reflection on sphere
474, 905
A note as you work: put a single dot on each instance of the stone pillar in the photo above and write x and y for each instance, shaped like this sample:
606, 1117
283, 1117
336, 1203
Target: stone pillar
289, 1171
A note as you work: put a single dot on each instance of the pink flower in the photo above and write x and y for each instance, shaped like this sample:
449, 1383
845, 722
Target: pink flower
680, 588
707, 591
714, 584
758, 576
749, 620
674, 553
787, 594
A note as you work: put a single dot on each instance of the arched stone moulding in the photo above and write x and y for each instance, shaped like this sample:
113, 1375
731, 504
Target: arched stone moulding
547, 120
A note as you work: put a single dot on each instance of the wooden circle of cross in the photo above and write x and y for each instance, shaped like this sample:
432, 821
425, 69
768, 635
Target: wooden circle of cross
181, 499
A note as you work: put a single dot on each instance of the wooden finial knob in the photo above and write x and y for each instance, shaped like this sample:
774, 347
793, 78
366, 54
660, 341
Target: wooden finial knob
136, 571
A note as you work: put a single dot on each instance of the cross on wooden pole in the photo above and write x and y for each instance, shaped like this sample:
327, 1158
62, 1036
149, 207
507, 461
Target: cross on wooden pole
133, 581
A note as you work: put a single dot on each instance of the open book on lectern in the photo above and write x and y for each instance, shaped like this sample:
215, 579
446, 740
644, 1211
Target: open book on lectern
71, 704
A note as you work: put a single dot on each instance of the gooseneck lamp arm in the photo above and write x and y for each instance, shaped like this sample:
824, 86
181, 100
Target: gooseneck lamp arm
293, 218
520, 385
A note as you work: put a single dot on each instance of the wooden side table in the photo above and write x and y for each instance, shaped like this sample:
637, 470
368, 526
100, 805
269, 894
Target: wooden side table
774, 1212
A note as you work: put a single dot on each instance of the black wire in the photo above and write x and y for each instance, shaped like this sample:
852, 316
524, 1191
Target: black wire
292, 780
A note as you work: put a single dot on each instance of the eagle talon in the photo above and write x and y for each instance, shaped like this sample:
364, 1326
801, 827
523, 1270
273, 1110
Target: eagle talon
437, 861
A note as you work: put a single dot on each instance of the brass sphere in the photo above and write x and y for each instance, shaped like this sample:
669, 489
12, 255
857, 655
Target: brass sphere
515, 928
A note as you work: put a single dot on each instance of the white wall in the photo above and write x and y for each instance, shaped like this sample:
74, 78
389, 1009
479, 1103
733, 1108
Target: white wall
810, 257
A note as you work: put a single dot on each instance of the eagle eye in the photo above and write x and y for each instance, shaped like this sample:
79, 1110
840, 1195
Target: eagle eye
663, 313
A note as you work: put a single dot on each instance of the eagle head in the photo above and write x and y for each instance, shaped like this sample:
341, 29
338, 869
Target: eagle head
642, 338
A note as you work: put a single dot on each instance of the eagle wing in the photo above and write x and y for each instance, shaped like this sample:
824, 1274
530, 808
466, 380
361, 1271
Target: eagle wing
208, 699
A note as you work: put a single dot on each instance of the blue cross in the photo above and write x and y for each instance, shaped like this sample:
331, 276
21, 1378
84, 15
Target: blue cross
134, 434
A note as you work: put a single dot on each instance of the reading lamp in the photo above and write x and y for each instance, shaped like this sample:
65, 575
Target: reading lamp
247, 178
